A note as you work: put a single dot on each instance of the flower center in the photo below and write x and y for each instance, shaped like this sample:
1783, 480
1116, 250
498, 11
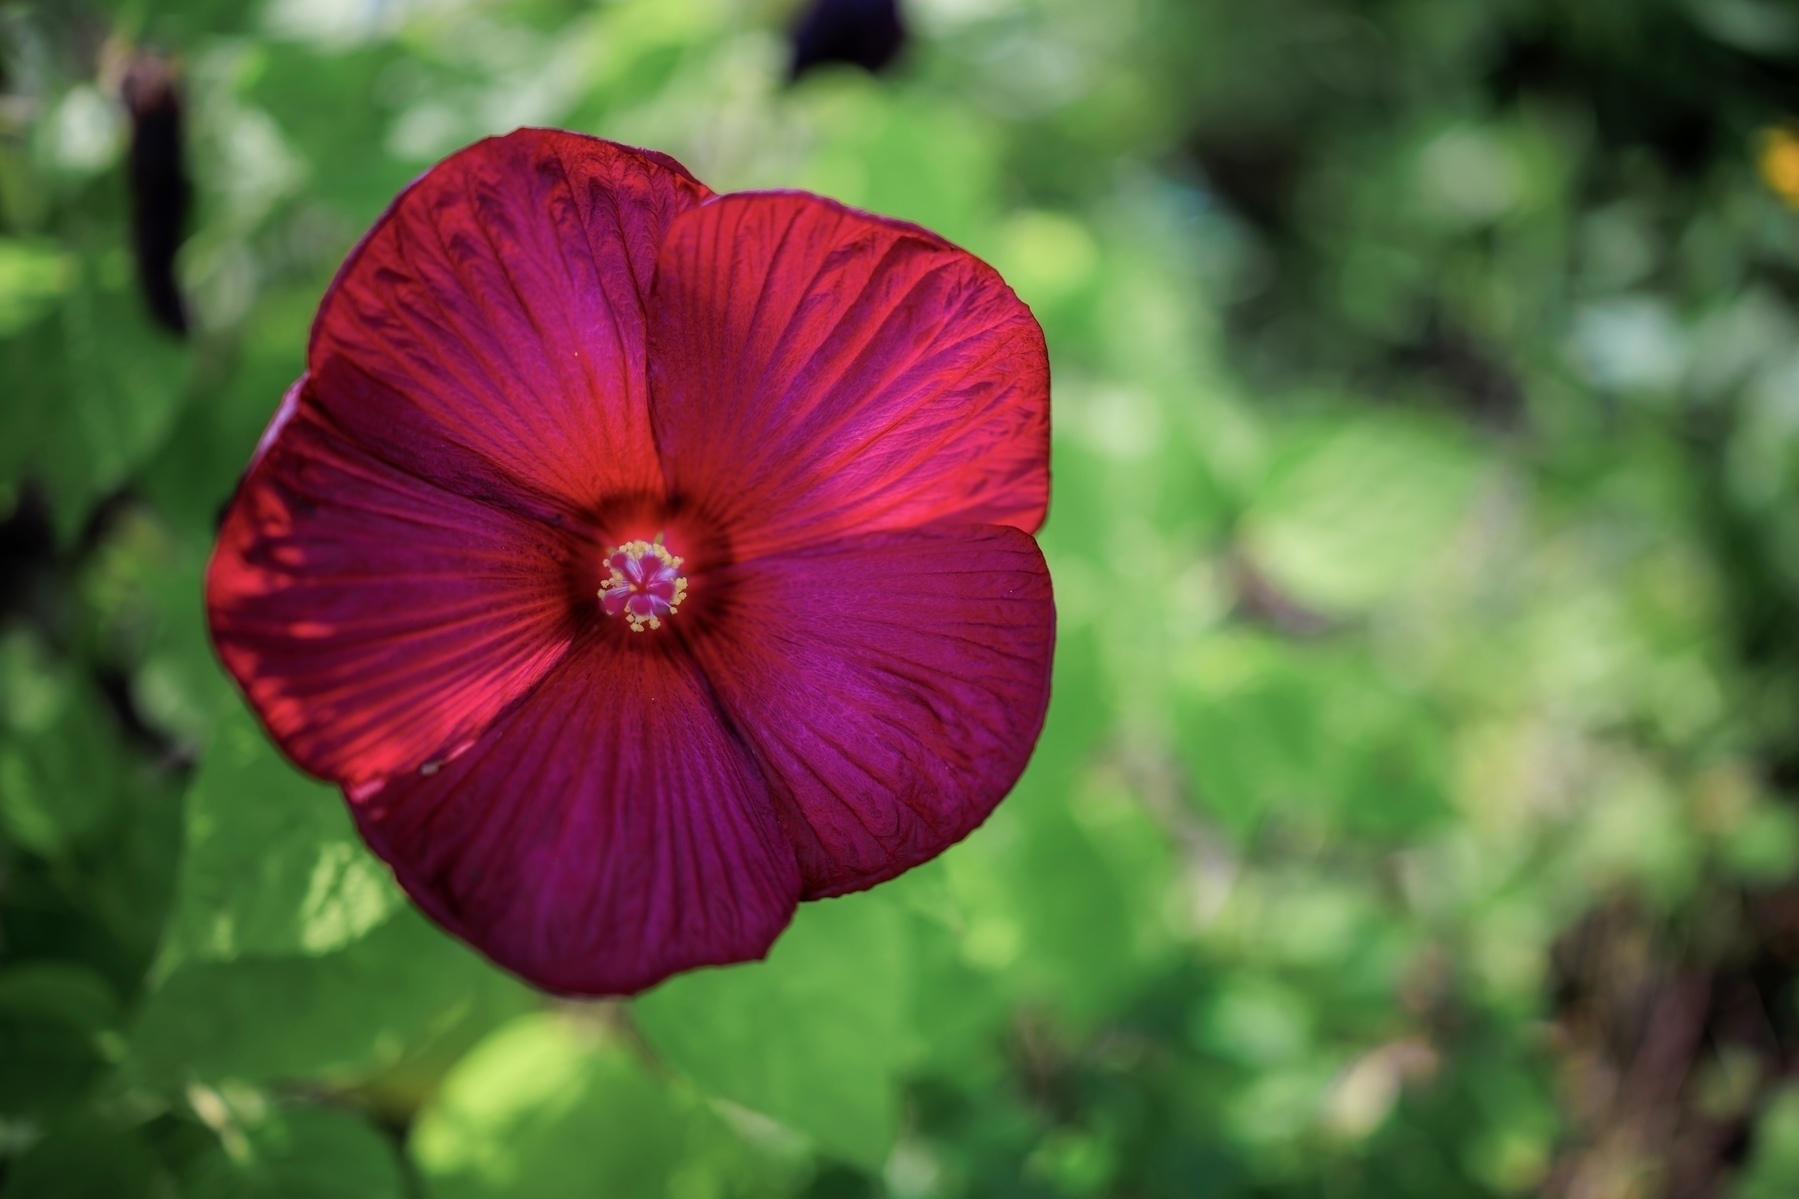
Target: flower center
645, 585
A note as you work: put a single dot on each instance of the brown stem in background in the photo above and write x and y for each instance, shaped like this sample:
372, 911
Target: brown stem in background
157, 172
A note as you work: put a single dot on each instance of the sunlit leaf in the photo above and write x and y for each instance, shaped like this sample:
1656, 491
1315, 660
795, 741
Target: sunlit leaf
272, 865
814, 1037
344, 1016
301, 1153
33, 276
556, 1105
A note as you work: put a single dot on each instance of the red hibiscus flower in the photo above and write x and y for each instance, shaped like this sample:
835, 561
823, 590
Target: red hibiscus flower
641, 562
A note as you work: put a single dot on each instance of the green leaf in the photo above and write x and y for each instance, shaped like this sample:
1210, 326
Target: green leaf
344, 141
1356, 506
815, 1036
1049, 915
87, 1160
1765, 846
959, 1013
91, 393
901, 156
1773, 1169
1308, 731
301, 1153
193, 474
273, 865
551, 1106
55, 1022
33, 276
342, 1017
1059, 896
61, 773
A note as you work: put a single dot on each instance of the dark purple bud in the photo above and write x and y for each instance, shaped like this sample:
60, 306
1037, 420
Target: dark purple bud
160, 193
865, 33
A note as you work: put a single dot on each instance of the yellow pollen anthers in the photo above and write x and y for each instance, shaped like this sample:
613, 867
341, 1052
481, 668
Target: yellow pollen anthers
645, 585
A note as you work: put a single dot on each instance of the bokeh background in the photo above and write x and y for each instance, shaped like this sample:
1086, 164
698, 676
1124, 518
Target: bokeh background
1415, 815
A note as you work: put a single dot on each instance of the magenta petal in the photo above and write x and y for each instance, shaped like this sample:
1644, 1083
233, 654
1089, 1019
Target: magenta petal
893, 686
374, 620
494, 318
817, 371
605, 834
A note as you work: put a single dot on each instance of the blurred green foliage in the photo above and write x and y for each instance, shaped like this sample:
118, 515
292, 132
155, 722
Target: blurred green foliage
1415, 814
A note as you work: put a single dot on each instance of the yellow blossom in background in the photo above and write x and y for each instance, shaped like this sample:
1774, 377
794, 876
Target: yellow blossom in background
1780, 163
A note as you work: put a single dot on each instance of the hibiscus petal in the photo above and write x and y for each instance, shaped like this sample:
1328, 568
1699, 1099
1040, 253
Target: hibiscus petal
374, 620
496, 312
892, 685
604, 835
817, 371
